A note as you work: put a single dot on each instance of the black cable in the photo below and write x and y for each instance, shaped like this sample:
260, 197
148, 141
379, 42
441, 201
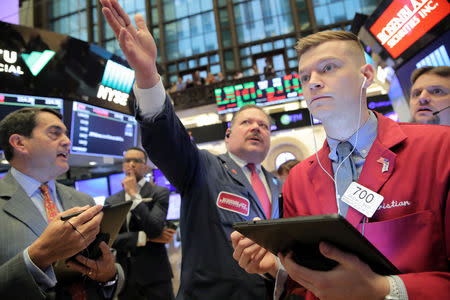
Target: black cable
87, 250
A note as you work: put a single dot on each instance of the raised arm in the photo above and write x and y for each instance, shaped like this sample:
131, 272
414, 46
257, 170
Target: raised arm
137, 44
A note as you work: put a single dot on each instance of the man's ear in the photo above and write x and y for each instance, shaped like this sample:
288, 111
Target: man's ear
227, 133
17, 142
369, 73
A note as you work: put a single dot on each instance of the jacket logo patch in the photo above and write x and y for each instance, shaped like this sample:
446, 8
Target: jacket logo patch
234, 203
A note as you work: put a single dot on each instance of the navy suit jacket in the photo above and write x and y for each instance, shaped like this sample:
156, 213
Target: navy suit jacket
21, 224
149, 263
215, 194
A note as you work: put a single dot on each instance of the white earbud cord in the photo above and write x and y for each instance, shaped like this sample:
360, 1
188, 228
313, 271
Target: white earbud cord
354, 147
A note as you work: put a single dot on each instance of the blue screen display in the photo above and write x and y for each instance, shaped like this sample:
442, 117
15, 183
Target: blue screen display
101, 132
97, 188
115, 183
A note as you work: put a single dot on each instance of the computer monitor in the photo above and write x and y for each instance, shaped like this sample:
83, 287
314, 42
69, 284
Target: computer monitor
101, 132
173, 213
13, 102
97, 188
115, 183
435, 54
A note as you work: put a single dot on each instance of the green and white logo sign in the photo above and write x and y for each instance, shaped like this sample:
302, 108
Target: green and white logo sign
36, 61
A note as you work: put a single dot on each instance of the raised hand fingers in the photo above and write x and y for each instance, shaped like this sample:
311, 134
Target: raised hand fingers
140, 22
111, 17
117, 17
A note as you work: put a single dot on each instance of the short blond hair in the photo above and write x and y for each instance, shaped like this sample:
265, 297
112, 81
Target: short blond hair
316, 39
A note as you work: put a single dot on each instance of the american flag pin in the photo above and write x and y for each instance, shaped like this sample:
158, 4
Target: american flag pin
385, 163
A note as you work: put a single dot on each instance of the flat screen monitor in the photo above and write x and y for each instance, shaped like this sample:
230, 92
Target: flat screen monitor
101, 132
435, 54
262, 93
161, 180
13, 102
173, 213
115, 183
97, 188
39, 62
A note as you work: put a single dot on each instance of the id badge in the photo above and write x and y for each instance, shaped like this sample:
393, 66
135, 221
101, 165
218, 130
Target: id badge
362, 199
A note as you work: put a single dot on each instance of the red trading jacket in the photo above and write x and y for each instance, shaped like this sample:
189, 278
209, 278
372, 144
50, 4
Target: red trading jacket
412, 225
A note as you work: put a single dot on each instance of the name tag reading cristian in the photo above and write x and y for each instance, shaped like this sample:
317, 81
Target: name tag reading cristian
234, 203
362, 199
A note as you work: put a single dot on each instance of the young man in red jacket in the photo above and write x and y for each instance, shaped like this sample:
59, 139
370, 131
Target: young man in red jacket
405, 163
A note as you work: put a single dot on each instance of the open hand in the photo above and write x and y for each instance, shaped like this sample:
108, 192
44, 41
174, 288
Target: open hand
137, 44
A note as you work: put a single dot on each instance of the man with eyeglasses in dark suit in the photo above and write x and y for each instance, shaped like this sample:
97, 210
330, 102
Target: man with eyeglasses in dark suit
140, 243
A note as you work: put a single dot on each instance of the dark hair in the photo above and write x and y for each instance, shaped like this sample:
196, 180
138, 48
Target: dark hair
138, 149
245, 107
442, 71
22, 122
287, 166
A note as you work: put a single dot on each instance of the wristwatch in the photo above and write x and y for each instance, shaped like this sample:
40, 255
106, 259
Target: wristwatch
111, 282
393, 289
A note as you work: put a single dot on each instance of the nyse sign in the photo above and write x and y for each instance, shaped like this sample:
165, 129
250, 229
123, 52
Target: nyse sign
404, 22
112, 95
8, 60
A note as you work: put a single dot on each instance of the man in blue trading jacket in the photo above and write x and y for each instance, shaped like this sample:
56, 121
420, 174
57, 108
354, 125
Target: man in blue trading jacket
216, 190
140, 243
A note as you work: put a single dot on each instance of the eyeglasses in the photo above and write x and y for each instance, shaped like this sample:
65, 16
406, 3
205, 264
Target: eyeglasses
135, 160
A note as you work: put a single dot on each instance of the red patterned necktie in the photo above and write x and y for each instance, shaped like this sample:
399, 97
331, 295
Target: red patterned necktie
260, 190
50, 208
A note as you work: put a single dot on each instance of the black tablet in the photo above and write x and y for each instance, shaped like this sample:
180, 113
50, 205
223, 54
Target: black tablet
113, 218
302, 235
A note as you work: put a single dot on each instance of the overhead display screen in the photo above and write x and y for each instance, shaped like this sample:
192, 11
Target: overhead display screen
12, 102
403, 22
101, 132
262, 93
42, 63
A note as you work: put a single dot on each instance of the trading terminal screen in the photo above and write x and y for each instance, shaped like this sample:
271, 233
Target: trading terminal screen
12, 102
101, 132
264, 92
